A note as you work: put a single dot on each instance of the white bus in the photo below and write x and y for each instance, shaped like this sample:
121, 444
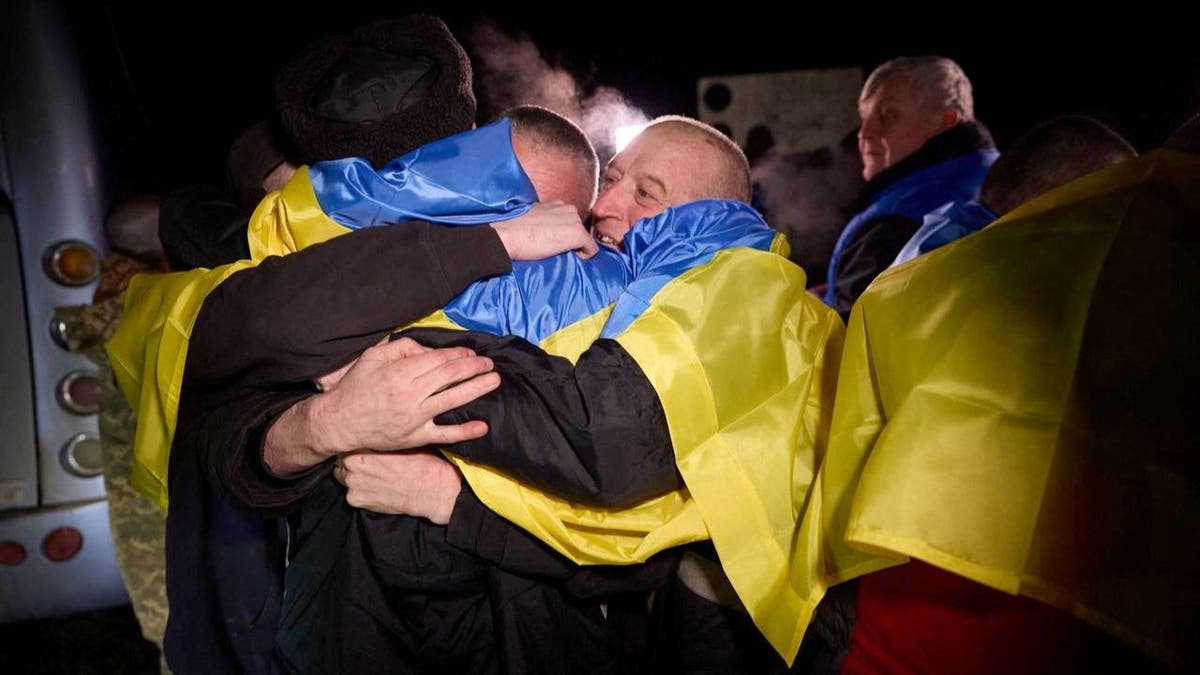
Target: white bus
56, 552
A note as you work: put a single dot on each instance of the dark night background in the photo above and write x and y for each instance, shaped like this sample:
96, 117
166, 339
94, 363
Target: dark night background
179, 81
198, 73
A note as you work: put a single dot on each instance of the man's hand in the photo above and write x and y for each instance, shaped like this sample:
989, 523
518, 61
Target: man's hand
387, 400
546, 230
330, 380
401, 483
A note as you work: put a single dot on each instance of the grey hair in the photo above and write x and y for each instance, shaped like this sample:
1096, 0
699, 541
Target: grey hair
733, 173
940, 82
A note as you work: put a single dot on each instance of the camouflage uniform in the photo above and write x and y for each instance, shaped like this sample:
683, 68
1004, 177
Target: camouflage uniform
137, 523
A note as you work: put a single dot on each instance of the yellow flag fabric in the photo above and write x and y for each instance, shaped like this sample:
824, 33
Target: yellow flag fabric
744, 361
1017, 408
147, 353
149, 349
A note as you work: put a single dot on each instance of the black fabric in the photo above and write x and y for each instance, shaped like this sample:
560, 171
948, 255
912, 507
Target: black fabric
365, 86
292, 319
594, 432
826, 643
697, 636
202, 226
873, 248
414, 87
224, 570
414, 599
224, 566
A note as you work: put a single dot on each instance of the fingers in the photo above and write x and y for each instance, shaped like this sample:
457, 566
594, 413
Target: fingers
442, 371
590, 247
449, 434
461, 393
393, 350
339, 471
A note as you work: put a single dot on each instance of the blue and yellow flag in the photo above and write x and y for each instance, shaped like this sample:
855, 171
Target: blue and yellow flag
743, 360
705, 301
1018, 408
472, 177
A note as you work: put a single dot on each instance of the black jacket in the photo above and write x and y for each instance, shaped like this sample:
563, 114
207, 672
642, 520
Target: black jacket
402, 592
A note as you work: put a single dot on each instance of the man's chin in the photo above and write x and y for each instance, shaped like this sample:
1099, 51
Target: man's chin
872, 168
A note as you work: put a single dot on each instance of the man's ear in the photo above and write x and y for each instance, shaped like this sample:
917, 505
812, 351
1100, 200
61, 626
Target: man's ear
950, 117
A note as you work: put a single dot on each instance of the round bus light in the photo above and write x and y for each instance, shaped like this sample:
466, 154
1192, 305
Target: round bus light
79, 392
62, 544
11, 553
58, 333
81, 456
72, 263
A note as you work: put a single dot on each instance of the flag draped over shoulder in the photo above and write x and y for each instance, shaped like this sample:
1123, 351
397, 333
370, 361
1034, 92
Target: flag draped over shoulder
472, 177
741, 356
743, 360
1018, 408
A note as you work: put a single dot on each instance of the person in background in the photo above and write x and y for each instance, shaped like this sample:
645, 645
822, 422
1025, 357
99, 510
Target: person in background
1007, 469
1051, 154
921, 147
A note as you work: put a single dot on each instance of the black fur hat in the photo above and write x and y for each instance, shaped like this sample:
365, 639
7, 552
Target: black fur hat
385, 89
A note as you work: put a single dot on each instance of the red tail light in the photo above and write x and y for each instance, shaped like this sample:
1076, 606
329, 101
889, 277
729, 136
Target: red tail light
62, 544
79, 393
11, 553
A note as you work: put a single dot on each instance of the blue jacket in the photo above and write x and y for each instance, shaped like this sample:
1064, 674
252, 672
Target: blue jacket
947, 223
949, 167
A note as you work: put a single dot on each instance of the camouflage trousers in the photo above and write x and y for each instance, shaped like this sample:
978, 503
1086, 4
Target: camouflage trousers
138, 525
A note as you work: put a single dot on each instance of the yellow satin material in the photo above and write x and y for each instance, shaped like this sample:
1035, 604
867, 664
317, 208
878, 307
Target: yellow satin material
740, 354
744, 362
149, 349
148, 352
290, 220
1009, 409
587, 536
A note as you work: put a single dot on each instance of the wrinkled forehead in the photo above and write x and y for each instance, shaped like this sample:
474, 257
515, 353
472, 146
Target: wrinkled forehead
681, 162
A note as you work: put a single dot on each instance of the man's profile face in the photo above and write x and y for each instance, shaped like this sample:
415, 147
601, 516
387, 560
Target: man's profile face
895, 124
658, 169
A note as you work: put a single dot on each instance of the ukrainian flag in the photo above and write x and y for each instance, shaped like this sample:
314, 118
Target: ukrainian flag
469, 178
743, 360
704, 300
1019, 408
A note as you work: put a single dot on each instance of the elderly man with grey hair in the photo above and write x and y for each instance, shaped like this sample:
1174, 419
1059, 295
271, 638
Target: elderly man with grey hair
921, 147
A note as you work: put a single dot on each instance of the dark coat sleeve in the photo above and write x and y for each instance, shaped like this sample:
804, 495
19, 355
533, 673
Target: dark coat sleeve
874, 248
600, 435
264, 334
